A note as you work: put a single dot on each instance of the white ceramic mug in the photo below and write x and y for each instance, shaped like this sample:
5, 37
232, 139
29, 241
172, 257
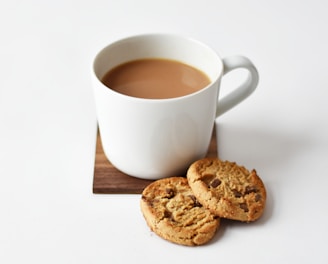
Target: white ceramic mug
156, 138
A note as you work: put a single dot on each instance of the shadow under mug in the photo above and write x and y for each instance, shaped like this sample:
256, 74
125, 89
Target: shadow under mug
157, 138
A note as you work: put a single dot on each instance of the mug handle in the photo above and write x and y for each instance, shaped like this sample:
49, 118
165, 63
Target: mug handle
244, 90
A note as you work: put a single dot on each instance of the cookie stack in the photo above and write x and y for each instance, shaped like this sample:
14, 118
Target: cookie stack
187, 211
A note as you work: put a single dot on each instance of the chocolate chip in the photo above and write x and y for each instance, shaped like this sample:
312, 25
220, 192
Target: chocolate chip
244, 207
215, 183
258, 197
192, 197
250, 189
170, 193
196, 203
207, 178
237, 194
149, 201
167, 214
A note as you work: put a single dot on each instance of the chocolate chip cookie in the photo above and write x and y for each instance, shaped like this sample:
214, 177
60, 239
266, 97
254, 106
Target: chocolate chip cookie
227, 190
172, 211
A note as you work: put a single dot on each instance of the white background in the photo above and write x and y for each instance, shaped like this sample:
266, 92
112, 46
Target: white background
48, 213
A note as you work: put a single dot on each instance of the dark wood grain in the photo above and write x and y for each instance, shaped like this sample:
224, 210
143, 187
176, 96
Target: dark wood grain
108, 180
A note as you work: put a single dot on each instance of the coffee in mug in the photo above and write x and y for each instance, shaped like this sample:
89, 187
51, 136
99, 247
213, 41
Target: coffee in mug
155, 78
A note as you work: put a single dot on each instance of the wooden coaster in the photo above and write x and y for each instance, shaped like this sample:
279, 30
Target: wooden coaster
108, 180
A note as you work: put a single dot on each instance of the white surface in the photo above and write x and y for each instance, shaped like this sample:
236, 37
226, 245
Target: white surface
48, 126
